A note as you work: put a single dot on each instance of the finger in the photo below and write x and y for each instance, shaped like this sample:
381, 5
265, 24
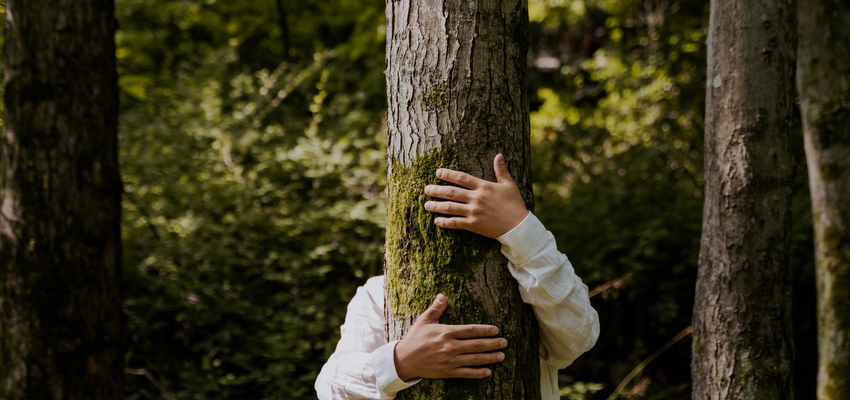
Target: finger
473, 331
452, 223
447, 207
479, 359
461, 178
470, 346
433, 313
448, 192
471, 373
501, 168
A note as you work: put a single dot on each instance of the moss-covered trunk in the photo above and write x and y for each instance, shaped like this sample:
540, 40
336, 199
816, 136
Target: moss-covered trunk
456, 85
823, 79
742, 339
60, 201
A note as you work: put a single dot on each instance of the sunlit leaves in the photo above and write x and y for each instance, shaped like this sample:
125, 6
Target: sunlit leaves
254, 189
617, 155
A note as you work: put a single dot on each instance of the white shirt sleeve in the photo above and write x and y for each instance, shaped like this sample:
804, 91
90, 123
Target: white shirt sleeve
569, 326
363, 365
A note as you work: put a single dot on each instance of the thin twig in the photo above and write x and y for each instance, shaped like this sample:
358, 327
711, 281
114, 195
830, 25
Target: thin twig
147, 374
648, 360
616, 283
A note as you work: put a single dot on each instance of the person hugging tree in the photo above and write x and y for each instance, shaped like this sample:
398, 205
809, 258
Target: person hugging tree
365, 366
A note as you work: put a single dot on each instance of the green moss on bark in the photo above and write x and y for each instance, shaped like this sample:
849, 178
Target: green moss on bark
839, 383
698, 345
830, 171
835, 268
829, 120
423, 259
836, 263
435, 97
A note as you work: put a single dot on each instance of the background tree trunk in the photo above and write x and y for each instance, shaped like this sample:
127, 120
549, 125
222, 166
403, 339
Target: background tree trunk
743, 342
60, 308
456, 86
824, 86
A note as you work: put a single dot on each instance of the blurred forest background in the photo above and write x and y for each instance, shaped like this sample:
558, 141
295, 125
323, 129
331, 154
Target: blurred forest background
252, 147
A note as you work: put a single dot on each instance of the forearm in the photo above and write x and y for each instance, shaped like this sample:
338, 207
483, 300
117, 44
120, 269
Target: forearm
360, 375
569, 326
362, 366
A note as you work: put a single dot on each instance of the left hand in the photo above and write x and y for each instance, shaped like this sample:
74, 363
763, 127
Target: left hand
486, 208
434, 350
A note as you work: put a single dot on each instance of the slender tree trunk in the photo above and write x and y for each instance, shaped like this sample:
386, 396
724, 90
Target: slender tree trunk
743, 342
283, 19
823, 79
456, 86
60, 307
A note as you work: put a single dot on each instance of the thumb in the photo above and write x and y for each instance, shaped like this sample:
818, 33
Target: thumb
502, 174
433, 313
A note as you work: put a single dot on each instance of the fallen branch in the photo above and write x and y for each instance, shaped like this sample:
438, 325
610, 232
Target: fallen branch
616, 284
648, 360
147, 374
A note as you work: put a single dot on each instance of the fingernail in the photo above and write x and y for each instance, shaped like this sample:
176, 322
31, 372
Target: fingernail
495, 331
501, 158
428, 189
427, 204
440, 173
487, 373
500, 357
503, 343
438, 221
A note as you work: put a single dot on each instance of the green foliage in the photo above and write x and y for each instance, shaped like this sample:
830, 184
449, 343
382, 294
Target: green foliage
617, 156
254, 198
579, 390
255, 184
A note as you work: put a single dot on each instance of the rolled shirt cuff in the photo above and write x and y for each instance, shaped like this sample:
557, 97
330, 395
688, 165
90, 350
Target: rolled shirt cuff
524, 241
385, 372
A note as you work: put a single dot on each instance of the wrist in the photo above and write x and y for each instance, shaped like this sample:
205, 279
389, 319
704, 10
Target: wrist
514, 223
400, 365
385, 373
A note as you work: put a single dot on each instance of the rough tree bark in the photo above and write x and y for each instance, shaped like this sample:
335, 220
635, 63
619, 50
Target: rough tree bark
743, 342
456, 86
60, 308
823, 79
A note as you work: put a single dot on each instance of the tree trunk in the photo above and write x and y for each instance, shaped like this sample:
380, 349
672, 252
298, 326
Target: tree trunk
743, 342
283, 19
824, 86
456, 86
60, 308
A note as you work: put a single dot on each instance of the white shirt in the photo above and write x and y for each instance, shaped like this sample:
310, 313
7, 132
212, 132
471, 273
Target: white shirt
363, 366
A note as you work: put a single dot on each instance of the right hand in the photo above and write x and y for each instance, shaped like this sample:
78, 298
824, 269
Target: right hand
434, 350
487, 208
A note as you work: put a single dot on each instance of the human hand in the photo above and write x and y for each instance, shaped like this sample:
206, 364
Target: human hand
486, 208
434, 350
